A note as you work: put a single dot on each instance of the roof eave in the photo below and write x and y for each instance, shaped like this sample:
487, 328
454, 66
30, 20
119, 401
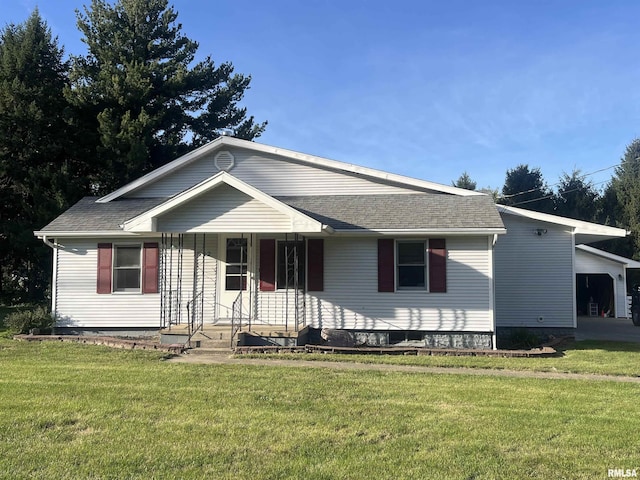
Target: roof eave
580, 227
83, 234
422, 231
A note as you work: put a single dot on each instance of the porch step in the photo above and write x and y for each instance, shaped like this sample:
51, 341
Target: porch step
211, 336
219, 336
211, 351
273, 337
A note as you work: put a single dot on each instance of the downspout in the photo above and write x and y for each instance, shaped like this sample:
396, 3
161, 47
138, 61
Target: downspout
54, 277
492, 299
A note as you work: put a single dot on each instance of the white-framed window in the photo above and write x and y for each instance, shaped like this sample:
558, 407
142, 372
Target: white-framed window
127, 268
411, 264
236, 269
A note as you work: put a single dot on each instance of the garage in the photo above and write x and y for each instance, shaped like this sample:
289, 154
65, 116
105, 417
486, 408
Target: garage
595, 295
601, 282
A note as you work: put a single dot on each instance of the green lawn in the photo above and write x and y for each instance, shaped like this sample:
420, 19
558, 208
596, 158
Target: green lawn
74, 411
597, 357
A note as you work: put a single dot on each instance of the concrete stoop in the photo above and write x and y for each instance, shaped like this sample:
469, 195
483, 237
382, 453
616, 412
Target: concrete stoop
218, 337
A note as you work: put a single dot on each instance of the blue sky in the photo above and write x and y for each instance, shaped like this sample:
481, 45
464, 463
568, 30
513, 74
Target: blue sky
424, 88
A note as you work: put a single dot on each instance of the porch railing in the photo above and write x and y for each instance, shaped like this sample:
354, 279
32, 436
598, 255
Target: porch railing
236, 317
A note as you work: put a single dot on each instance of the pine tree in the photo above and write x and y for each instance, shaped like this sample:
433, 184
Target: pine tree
140, 97
465, 181
576, 198
35, 161
526, 188
626, 185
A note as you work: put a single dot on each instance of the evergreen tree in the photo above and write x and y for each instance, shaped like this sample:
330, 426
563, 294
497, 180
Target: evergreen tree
626, 186
139, 96
465, 181
576, 198
35, 163
526, 188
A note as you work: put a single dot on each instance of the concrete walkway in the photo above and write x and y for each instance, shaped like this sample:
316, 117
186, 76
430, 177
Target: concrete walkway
275, 362
614, 329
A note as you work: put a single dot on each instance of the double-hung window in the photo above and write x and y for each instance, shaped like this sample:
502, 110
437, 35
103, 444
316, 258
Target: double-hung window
126, 268
411, 264
130, 268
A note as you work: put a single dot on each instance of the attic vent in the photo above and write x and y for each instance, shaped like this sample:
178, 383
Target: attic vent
224, 161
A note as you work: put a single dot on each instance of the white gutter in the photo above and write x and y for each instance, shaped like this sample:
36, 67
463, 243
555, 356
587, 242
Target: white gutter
50, 244
90, 234
422, 231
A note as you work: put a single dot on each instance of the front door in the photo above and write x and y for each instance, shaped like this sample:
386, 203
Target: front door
236, 254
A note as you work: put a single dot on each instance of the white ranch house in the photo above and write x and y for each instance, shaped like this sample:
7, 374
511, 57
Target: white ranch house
247, 235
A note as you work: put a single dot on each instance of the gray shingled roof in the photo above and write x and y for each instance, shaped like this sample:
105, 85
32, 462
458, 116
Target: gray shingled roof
373, 212
89, 216
360, 212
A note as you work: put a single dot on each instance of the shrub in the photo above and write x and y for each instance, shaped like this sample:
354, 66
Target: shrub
23, 321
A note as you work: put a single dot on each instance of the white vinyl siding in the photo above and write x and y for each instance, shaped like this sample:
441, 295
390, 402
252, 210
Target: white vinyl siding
534, 284
77, 304
272, 175
351, 299
224, 209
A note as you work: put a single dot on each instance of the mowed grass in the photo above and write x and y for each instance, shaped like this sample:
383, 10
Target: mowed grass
588, 356
74, 411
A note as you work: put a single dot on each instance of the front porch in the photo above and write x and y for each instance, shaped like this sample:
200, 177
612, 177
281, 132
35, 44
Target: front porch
222, 290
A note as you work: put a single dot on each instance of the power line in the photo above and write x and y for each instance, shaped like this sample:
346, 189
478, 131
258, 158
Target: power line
553, 195
582, 177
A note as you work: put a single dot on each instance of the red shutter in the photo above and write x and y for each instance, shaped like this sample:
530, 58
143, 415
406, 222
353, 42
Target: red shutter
104, 268
150, 262
267, 265
315, 256
386, 269
437, 265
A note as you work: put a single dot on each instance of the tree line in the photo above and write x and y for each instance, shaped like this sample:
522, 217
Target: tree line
574, 196
79, 125
87, 124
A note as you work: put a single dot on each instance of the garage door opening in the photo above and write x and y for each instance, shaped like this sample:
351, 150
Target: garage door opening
595, 295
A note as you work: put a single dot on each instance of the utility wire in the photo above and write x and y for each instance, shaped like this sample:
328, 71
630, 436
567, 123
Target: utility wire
552, 195
582, 177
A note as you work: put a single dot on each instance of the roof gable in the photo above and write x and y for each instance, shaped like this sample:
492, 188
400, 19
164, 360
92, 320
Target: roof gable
301, 158
242, 208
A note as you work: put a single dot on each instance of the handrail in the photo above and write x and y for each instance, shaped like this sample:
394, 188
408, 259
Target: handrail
236, 317
194, 312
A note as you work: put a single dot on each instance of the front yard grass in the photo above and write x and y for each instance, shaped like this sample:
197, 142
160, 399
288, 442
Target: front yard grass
588, 356
76, 411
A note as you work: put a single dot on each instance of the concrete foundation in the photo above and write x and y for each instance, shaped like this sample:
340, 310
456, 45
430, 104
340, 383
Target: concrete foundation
108, 332
471, 340
350, 338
